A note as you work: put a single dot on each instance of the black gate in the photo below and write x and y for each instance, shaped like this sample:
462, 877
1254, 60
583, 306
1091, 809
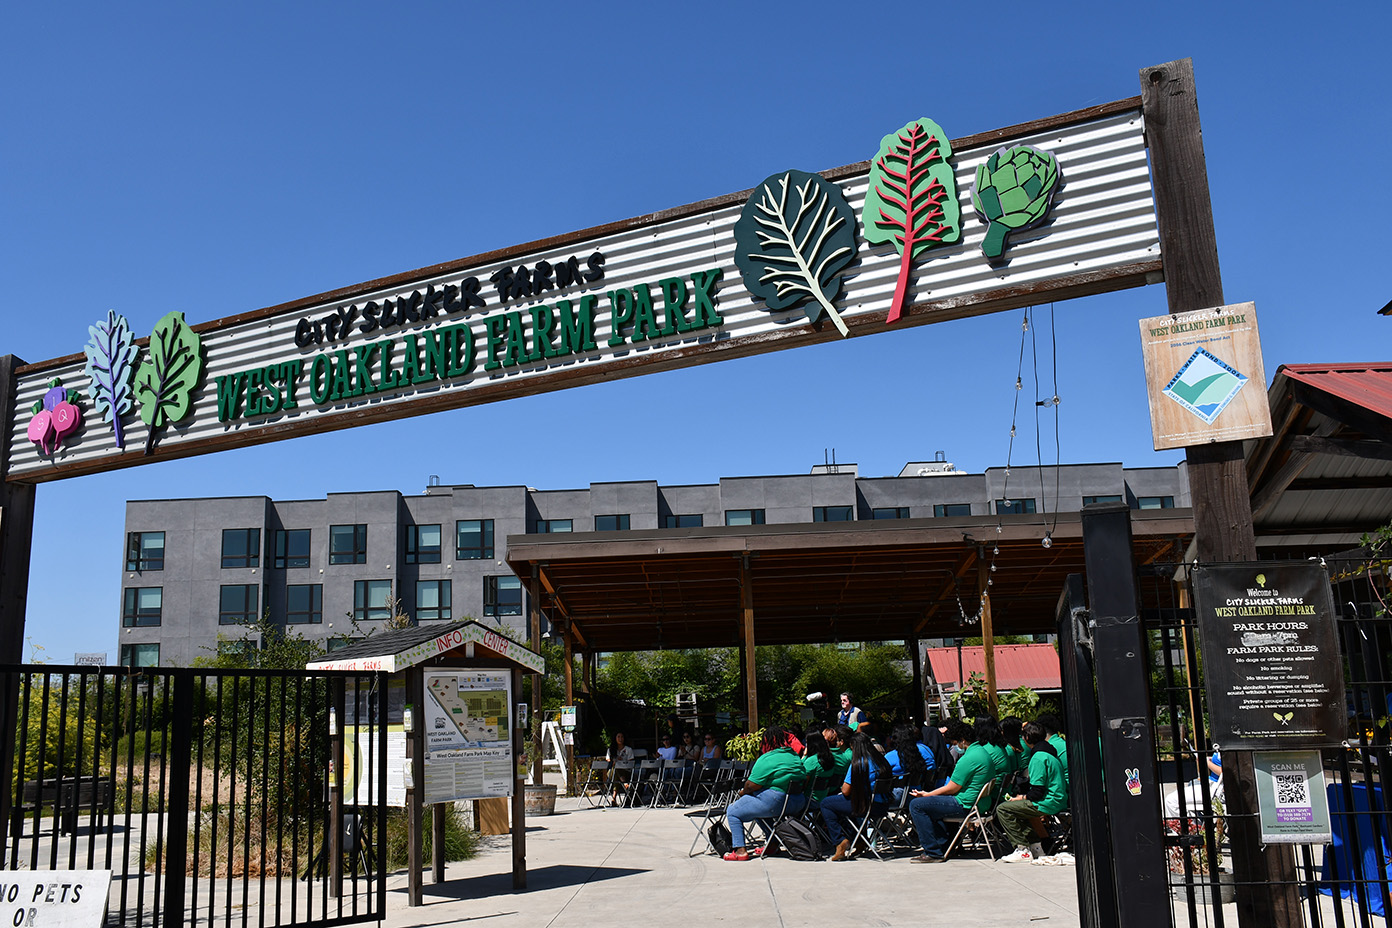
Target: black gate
211, 795
1337, 884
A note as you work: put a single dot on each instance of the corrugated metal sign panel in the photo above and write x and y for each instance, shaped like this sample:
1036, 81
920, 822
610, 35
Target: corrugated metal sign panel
1102, 236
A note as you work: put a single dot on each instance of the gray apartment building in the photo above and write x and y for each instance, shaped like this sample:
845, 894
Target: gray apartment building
197, 571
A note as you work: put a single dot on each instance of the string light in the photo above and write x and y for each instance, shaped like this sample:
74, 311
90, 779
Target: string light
1050, 402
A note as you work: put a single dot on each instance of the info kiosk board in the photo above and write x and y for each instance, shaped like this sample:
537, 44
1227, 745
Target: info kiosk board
457, 683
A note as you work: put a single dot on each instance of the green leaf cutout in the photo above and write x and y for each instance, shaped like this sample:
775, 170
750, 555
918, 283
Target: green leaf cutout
168, 374
1014, 190
793, 239
912, 199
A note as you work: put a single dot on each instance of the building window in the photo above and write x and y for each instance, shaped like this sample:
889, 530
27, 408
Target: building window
432, 600
372, 600
552, 526
744, 517
145, 551
139, 655
614, 523
831, 513
1014, 506
1155, 502
291, 548
686, 520
423, 544
473, 539
237, 605
891, 512
304, 604
341, 642
946, 510
241, 547
142, 606
348, 544
1113, 498
502, 596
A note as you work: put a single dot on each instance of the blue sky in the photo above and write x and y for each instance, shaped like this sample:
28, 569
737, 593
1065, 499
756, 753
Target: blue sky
217, 158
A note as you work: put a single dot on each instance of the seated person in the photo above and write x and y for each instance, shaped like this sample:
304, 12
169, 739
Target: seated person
668, 750
1015, 750
943, 758
689, 749
911, 759
619, 752
838, 738
1056, 739
857, 796
818, 761
772, 779
1193, 790
711, 753
971, 774
1023, 816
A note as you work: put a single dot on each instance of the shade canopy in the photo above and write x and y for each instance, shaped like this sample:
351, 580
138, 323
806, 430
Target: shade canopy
820, 582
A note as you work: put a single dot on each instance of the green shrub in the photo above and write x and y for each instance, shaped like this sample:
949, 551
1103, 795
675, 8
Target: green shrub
143, 742
461, 843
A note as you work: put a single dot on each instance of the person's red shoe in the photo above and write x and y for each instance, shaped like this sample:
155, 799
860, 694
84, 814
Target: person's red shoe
736, 855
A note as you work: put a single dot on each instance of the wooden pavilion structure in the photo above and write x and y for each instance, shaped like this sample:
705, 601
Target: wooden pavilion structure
901, 579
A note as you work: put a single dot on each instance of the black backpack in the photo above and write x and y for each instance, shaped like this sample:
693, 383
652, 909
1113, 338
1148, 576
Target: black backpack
719, 834
797, 840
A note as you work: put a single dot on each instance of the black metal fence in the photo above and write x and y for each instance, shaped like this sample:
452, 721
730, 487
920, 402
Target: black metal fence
1344, 883
211, 795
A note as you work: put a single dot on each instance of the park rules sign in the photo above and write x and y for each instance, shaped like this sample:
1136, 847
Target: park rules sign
1272, 671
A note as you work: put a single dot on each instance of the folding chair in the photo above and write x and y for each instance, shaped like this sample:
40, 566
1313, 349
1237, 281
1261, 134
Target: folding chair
871, 824
795, 788
811, 813
975, 822
621, 781
669, 783
721, 793
644, 779
898, 820
597, 770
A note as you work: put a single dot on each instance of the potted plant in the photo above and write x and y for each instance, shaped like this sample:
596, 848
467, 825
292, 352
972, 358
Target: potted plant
1189, 861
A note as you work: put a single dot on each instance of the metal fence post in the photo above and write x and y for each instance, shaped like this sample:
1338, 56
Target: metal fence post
1120, 657
180, 760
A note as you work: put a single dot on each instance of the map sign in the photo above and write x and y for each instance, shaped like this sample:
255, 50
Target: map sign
468, 735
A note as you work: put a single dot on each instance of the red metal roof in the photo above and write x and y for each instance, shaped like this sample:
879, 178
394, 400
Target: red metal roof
1017, 665
1368, 385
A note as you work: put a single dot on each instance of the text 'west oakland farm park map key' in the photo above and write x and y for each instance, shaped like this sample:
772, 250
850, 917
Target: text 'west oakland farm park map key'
1205, 377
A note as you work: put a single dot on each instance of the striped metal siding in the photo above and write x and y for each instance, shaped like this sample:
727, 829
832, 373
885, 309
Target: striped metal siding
1103, 219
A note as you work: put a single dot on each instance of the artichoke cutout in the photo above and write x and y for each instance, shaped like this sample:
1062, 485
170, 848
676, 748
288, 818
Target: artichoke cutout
1014, 190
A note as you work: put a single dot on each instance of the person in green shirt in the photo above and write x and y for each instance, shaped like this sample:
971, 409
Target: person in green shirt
973, 772
819, 761
1014, 747
1056, 740
768, 791
1047, 795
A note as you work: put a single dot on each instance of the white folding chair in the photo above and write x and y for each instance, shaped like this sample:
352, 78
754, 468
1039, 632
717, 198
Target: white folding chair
975, 822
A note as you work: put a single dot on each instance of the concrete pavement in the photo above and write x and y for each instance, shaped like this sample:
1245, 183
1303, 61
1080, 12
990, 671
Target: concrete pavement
596, 866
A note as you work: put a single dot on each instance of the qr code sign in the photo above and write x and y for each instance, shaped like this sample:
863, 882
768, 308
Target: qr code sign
1292, 789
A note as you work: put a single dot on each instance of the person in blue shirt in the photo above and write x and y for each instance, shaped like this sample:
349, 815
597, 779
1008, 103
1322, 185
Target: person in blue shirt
911, 759
858, 793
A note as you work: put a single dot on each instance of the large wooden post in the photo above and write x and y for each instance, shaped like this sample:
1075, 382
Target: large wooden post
569, 700
747, 640
988, 633
16, 531
534, 596
519, 802
415, 810
920, 712
1266, 888
16, 537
